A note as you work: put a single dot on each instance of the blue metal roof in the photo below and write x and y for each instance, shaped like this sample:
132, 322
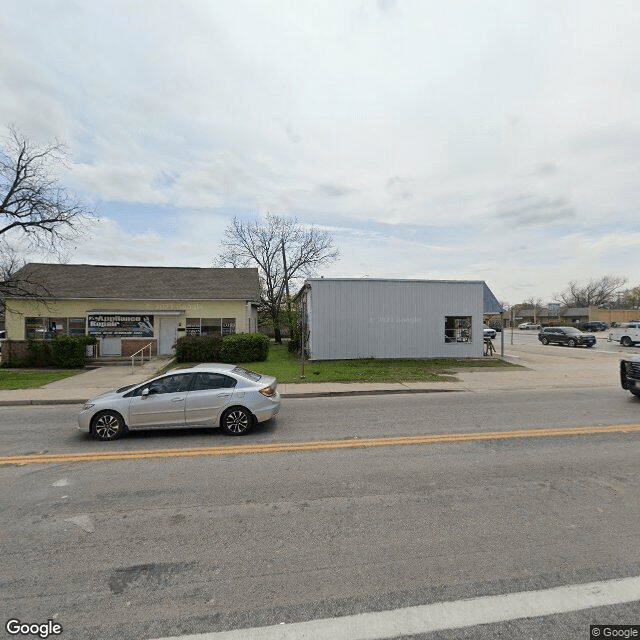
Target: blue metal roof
491, 304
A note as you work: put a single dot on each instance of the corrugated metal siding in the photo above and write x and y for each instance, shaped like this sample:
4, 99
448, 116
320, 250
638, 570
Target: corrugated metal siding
391, 318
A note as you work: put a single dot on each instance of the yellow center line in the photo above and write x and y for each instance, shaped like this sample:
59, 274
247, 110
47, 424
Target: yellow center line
354, 443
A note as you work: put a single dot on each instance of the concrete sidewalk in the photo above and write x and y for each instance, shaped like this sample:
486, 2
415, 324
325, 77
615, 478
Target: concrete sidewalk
539, 368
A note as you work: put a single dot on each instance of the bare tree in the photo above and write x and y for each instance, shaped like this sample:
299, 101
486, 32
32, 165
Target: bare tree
535, 304
12, 283
33, 206
629, 298
596, 293
284, 250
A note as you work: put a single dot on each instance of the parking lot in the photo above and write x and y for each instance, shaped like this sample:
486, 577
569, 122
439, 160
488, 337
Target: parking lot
528, 338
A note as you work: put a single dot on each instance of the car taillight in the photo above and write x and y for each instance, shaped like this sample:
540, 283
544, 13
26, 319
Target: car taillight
268, 391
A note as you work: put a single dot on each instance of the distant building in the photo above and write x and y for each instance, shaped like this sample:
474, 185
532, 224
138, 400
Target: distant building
127, 308
362, 318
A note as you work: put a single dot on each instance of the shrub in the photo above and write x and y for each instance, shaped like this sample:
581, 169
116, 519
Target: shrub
245, 347
198, 349
68, 352
38, 354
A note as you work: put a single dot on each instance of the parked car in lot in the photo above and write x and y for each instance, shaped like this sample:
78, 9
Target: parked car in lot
595, 325
528, 326
209, 395
630, 375
489, 332
627, 335
570, 336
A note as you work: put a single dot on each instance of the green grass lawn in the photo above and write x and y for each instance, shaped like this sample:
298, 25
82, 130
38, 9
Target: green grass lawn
28, 379
286, 368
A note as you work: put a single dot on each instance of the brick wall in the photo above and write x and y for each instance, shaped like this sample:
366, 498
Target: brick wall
129, 347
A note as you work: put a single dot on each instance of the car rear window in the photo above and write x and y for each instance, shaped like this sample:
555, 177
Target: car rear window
245, 373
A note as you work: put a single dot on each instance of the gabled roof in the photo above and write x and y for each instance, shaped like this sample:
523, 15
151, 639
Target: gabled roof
89, 281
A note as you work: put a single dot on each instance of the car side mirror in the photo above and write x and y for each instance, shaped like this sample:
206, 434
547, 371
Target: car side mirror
145, 392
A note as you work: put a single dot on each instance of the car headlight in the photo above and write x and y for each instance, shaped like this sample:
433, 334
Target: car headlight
87, 406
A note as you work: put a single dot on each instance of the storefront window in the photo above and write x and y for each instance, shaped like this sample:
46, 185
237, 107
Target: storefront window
49, 328
228, 326
193, 326
211, 326
76, 326
56, 327
35, 327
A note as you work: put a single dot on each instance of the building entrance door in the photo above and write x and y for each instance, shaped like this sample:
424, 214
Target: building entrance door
168, 332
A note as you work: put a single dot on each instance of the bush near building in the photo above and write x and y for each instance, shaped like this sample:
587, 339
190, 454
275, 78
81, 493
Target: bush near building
198, 349
63, 352
239, 347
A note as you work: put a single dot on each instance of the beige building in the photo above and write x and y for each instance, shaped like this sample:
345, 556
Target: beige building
128, 308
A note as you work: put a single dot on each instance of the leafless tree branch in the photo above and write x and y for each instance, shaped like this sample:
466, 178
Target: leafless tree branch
260, 244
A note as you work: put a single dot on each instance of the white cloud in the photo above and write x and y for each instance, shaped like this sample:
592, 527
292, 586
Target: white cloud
507, 131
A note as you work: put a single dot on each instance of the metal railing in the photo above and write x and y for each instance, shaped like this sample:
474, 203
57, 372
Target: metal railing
141, 352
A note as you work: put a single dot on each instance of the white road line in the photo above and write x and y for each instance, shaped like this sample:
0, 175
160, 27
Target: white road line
443, 615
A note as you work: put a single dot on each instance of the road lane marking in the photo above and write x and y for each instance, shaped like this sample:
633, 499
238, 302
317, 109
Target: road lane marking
443, 615
286, 447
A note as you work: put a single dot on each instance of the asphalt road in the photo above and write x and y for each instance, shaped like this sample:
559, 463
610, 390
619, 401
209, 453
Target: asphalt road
168, 546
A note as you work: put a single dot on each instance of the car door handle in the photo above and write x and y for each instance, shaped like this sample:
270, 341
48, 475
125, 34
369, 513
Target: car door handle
177, 400
223, 395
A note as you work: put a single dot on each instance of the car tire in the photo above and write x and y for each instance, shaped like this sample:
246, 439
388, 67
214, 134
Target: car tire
544, 340
572, 343
635, 393
107, 425
589, 345
626, 341
236, 421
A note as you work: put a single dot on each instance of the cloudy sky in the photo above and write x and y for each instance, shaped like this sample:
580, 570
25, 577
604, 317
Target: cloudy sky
495, 140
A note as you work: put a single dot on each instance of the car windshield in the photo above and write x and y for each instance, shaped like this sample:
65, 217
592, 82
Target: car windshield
245, 373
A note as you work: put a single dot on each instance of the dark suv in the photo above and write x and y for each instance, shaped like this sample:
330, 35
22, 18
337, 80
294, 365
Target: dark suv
570, 336
595, 325
630, 375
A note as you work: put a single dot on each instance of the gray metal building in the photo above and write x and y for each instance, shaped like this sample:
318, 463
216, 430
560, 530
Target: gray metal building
362, 318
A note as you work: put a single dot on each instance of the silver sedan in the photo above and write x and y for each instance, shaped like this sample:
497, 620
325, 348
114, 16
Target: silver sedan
209, 395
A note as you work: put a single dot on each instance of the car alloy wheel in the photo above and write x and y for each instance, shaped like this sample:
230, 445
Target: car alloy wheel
107, 425
544, 340
626, 341
237, 421
572, 343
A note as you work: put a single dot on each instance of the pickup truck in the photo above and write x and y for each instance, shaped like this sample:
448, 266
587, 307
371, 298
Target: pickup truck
630, 375
627, 335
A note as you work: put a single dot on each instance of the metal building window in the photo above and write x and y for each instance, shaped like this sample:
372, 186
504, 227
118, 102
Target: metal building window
457, 329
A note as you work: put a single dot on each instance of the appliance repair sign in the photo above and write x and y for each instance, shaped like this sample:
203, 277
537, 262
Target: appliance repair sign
124, 326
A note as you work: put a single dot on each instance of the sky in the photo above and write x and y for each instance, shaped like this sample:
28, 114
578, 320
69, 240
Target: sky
495, 140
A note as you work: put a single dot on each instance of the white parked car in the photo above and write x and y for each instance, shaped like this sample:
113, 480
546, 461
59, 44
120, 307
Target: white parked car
528, 326
208, 395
